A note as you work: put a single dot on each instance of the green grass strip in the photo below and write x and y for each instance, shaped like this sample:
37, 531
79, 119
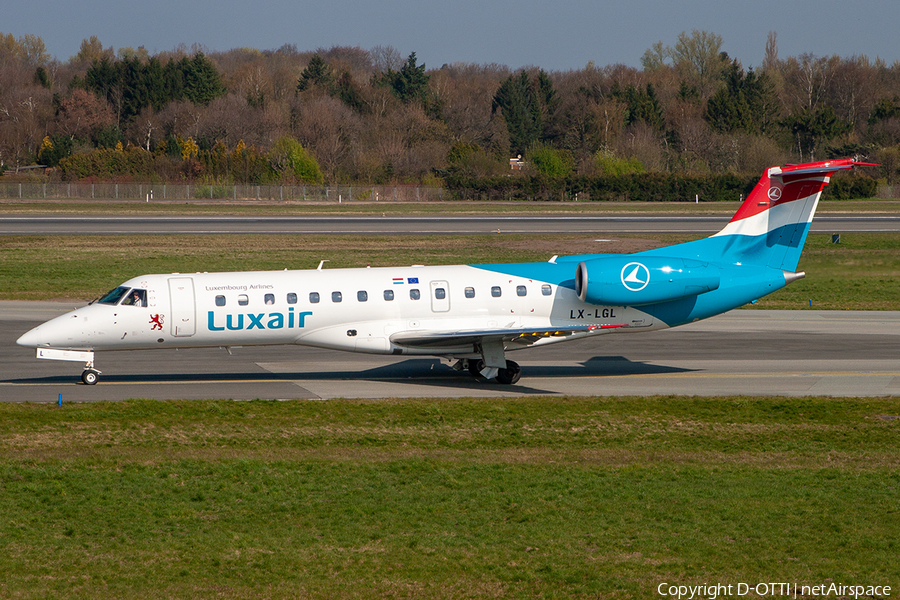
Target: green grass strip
860, 273
521, 498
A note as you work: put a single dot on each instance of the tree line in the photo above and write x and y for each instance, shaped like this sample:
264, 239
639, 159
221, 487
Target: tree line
349, 115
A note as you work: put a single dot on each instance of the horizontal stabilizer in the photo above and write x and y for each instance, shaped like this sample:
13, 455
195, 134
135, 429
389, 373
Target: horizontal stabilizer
827, 167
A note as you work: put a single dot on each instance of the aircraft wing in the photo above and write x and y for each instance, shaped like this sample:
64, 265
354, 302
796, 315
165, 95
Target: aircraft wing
465, 337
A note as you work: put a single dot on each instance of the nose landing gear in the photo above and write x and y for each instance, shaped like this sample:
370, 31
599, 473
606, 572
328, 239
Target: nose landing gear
90, 375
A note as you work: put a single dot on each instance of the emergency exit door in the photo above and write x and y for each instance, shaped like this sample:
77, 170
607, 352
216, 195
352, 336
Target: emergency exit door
440, 296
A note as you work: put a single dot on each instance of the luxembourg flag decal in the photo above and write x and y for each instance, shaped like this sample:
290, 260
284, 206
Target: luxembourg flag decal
397, 280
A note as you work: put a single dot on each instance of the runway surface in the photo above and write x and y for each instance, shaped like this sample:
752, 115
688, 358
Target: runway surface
749, 352
447, 225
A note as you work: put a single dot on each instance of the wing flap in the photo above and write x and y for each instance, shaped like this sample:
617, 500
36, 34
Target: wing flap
464, 337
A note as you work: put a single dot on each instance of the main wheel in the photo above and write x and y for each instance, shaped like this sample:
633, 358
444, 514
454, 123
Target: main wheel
90, 377
475, 367
510, 374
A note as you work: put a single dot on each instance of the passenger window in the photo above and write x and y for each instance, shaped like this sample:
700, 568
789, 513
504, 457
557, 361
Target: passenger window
414, 294
440, 293
220, 300
388, 295
362, 295
243, 300
314, 297
521, 290
546, 290
336, 297
270, 298
292, 298
470, 292
495, 291
114, 296
135, 298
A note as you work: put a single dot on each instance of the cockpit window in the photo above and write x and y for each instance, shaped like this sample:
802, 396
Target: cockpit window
114, 296
135, 297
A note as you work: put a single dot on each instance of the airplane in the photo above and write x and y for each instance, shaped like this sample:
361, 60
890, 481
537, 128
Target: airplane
470, 314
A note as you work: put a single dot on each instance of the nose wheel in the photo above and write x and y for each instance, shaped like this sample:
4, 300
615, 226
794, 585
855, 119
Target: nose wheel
90, 376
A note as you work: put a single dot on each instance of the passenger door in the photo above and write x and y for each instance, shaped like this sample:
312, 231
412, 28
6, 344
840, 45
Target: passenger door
181, 297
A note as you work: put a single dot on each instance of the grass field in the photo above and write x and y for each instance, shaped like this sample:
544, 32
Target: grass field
531, 497
514, 498
861, 273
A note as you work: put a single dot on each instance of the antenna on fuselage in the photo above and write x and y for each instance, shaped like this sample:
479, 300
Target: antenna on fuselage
321, 262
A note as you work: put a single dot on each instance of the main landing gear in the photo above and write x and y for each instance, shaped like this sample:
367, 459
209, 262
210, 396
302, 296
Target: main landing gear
506, 376
510, 374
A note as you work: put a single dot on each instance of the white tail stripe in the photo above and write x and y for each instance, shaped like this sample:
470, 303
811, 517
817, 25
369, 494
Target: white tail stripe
789, 213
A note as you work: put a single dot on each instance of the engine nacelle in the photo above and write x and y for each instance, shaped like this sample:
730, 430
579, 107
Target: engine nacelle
637, 280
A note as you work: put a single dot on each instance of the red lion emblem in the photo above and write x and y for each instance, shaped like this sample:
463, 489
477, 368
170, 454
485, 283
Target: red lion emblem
157, 322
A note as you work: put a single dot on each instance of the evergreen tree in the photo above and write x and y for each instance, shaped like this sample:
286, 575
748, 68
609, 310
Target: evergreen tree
202, 81
317, 74
155, 83
102, 78
134, 89
410, 83
641, 106
743, 103
130, 85
41, 78
348, 92
527, 105
173, 75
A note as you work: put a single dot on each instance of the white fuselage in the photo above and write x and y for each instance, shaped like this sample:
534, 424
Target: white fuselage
346, 309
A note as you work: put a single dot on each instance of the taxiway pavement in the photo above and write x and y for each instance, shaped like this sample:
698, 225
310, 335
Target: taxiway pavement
744, 352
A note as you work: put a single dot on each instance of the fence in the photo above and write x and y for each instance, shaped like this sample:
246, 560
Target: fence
887, 192
270, 193
148, 192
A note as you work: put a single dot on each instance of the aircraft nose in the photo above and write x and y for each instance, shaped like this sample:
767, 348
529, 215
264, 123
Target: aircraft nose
30, 339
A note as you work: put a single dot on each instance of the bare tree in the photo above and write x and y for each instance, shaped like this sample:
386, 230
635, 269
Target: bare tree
92, 49
807, 79
82, 114
854, 90
699, 57
463, 94
770, 62
146, 129
24, 114
326, 127
386, 58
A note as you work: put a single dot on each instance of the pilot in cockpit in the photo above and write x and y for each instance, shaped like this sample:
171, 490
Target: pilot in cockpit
136, 298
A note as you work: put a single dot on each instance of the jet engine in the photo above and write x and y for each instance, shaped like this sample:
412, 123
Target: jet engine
635, 280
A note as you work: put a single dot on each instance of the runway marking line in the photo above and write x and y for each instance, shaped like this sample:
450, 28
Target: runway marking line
761, 375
